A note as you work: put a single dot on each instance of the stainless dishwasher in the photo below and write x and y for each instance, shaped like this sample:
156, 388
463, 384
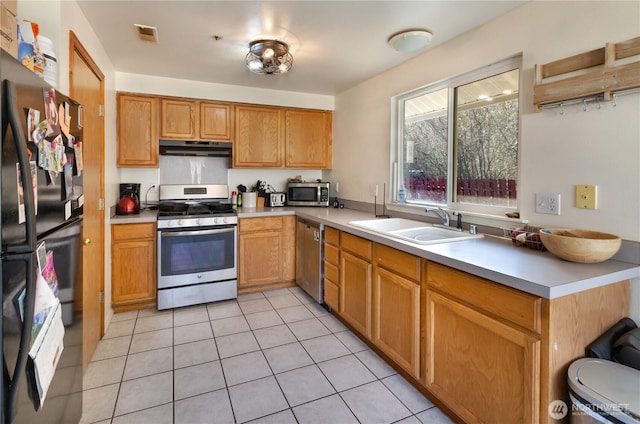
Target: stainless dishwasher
309, 245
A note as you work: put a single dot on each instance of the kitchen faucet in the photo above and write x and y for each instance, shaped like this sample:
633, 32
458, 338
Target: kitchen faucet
444, 216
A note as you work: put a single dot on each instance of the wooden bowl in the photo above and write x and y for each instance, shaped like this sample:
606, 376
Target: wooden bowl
582, 246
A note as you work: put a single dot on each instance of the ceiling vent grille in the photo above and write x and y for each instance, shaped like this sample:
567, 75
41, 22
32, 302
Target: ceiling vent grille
147, 33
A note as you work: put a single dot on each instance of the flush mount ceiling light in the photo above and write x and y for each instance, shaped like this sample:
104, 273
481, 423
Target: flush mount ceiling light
269, 57
410, 41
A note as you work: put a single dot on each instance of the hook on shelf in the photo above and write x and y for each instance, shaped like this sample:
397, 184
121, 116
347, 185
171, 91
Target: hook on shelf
599, 99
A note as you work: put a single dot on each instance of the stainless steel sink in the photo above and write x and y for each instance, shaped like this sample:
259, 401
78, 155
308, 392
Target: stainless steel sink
413, 231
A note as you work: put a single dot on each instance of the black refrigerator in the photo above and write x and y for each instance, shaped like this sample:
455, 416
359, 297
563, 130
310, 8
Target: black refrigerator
41, 231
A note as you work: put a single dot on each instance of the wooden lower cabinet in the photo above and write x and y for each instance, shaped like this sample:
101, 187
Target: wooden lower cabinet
396, 307
396, 319
266, 253
332, 267
496, 354
355, 282
355, 292
487, 352
485, 370
133, 266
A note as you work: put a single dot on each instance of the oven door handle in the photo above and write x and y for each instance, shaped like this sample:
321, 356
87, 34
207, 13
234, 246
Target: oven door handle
171, 233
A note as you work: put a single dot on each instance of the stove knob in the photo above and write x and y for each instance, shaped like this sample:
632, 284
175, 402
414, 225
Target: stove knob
217, 221
180, 222
224, 220
170, 223
199, 221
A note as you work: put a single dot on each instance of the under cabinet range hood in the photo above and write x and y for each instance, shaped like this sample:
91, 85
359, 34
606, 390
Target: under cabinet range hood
195, 148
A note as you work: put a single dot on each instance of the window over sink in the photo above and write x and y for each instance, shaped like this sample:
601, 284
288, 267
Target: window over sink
457, 141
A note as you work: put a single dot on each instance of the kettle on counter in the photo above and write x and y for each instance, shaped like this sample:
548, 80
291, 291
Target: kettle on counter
128, 204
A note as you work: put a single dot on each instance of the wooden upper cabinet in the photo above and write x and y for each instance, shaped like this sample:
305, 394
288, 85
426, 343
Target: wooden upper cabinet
184, 119
216, 121
308, 139
137, 131
258, 137
178, 119
271, 137
262, 136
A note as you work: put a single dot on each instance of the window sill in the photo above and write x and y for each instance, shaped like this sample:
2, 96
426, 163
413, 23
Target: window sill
468, 217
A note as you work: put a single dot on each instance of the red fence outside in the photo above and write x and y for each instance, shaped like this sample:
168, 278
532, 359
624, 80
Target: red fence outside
435, 188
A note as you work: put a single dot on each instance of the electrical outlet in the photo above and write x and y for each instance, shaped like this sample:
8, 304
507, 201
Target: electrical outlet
586, 196
548, 203
373, 190
337, 187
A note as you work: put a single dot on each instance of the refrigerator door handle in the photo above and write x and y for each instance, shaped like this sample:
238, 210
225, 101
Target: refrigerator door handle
25, 334
10, 118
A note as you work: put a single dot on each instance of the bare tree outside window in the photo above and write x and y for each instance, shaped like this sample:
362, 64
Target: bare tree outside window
476, 161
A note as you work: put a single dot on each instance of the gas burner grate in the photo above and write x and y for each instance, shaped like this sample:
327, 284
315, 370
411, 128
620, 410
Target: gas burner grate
170, 209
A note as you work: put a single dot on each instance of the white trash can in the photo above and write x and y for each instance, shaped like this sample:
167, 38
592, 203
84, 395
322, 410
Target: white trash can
603, 391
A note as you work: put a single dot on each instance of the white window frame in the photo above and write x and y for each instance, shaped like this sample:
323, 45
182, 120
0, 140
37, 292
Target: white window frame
397, 145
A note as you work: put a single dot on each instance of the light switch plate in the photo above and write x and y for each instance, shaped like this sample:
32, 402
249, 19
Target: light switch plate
586, 196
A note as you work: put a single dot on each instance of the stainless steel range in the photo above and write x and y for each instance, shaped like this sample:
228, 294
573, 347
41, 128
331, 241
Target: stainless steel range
197, 238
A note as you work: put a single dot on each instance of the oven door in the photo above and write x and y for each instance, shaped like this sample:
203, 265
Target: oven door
196, 255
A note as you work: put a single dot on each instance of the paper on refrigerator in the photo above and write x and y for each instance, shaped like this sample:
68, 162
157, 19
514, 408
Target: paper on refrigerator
47, 342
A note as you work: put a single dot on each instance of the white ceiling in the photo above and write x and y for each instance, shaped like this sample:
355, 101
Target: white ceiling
335, 44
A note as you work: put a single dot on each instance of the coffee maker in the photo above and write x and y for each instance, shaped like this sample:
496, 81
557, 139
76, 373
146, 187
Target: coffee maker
129, 201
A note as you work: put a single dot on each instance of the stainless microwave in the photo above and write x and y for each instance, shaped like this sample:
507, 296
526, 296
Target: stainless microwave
308, 194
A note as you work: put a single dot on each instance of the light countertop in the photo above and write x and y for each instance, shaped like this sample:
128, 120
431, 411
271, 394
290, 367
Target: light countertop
493, 258
144, 216
490, 257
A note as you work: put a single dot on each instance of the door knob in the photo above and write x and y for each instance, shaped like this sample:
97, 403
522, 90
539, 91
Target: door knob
86, 241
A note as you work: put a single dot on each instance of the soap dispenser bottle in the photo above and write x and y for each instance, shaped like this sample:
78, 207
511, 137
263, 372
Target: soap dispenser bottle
402, 194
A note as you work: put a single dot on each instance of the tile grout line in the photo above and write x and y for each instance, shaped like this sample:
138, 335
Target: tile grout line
224, 377
115, 404
273, 374
315, 363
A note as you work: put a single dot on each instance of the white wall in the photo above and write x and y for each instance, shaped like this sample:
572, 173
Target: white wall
600, 147
136, 83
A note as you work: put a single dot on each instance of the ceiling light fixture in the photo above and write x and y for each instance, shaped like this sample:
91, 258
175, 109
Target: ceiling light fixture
410, 41
269, 57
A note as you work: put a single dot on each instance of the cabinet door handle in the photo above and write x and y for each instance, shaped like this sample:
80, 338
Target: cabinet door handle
86, 241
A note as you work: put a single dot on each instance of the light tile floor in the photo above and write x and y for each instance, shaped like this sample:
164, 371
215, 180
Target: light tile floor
269, 357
